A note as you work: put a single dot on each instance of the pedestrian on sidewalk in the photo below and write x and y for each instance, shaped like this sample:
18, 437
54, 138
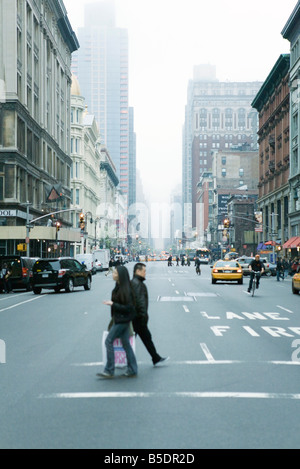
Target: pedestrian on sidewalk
122, 313
140, 322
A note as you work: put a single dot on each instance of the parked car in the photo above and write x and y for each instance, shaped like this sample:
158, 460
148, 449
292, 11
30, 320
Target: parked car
64, 273
296, 283
21, 271
228, 271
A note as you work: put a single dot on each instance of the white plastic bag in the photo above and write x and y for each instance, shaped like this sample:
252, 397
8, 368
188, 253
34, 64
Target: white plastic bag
120, 354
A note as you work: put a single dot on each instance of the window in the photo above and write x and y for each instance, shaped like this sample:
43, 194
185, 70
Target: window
224, 172
77, 197
223, 160
295, 123
279, 214
241, 173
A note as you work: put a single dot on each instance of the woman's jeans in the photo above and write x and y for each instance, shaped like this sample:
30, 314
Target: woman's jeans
120, 331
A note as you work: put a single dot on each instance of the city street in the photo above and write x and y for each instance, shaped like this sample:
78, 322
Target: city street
232, 381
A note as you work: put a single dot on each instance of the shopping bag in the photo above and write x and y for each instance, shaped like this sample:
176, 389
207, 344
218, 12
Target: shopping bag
120, 354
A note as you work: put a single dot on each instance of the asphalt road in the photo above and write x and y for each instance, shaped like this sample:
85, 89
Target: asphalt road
233, 379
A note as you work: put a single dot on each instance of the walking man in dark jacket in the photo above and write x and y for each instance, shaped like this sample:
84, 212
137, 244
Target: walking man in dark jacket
140, 323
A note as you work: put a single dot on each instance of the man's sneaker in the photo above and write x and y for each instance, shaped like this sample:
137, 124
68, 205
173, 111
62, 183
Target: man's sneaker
248, 290
162, 361
105, 375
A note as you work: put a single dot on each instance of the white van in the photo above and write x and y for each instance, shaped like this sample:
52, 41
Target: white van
88, 260
101, 259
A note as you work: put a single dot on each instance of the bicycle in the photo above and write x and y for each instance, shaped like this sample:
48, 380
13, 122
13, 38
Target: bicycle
256, 277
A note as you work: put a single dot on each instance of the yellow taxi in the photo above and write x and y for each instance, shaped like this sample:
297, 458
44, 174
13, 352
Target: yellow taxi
227, 271
296, 283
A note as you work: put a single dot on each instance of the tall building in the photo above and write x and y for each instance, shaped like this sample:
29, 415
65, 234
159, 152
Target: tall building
101, 65
218, 117
273, 104
291, 33
132, 160
36, 43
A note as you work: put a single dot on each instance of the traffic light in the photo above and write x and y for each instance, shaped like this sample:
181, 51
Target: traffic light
58, 226
81, 221
226, 223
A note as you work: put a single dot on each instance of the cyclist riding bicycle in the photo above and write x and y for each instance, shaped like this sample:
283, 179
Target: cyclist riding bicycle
255, 266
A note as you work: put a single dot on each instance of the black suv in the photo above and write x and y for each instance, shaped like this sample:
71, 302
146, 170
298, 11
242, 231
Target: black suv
21, 271
64, 273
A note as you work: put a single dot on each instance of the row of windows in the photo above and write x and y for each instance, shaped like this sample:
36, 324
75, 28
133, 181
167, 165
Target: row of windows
224, 172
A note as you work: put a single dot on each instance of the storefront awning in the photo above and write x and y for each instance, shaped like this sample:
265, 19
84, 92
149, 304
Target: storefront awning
292, 243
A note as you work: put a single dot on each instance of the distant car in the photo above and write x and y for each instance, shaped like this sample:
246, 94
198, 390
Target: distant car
268, 266
64, 273
244, 262
228, 271
21, 271
296, 283
272, 268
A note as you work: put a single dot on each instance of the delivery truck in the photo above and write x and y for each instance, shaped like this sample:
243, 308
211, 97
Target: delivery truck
101, 259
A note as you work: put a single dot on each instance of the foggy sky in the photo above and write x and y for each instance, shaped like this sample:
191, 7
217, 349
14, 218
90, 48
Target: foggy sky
166, 39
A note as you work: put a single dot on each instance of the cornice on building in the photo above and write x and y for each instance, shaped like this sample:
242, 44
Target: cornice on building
278, 72
292, 22
64, 25
104, 165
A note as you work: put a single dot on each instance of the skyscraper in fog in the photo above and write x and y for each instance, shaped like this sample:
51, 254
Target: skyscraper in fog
101, 66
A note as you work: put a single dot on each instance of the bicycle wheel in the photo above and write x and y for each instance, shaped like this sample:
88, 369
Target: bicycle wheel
253, 286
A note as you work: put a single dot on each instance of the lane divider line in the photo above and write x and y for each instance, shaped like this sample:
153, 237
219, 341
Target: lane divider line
285, 309
23, 302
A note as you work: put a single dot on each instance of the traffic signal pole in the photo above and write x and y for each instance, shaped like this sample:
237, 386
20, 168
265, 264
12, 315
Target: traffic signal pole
29, 224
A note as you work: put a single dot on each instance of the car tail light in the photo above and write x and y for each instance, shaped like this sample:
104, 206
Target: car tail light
61, 273
24, 271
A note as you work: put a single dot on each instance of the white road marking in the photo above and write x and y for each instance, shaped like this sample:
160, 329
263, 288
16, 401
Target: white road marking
203, 294
207, 353
177, 292
175, 298
285, 309
201, 362
7, 297
198, 395
23, 302
186, 309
